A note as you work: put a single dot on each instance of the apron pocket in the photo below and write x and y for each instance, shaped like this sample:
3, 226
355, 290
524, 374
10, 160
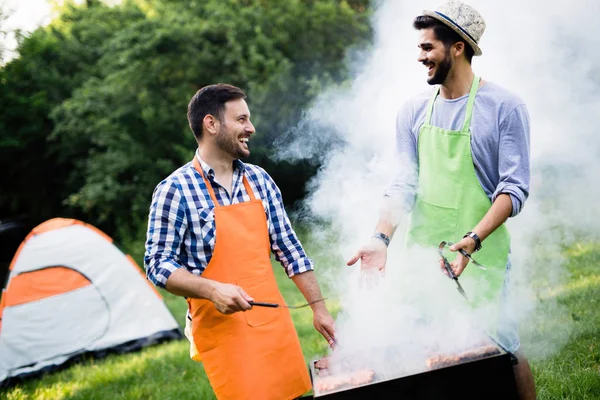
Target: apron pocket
430, 224
261, 289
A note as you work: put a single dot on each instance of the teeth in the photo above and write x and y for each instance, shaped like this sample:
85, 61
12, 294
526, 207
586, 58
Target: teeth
244, 140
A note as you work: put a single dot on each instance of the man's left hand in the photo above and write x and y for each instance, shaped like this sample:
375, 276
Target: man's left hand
460, 262
324, 323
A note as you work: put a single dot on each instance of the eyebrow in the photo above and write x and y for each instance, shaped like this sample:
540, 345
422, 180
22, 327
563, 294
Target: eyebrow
243, 115
424, 44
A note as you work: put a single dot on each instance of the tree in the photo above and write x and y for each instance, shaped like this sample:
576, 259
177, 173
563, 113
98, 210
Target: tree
115, 82
52, 62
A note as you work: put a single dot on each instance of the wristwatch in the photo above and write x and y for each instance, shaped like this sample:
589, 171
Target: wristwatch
383, 237
474, 236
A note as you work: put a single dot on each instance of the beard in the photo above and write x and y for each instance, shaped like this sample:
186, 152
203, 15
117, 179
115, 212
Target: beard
230, 144
442, 71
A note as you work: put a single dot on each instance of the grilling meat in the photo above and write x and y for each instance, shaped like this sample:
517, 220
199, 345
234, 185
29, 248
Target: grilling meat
445, 360
322, 363
351, 379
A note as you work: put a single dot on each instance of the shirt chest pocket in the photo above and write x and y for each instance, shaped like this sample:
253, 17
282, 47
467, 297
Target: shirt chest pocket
204, 225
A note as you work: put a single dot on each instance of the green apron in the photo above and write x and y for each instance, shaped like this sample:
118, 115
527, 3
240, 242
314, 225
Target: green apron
450, 202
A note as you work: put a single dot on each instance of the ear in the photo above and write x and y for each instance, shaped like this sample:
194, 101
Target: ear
459, 48
210, 124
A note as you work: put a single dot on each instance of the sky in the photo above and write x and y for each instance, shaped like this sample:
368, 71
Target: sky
25, 15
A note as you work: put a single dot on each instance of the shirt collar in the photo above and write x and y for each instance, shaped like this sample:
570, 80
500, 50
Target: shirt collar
237, 165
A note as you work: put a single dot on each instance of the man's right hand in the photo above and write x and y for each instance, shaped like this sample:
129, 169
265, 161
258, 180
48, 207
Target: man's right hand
372, 255
229, 298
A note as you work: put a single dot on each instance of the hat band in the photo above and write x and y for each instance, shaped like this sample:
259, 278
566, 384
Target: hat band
457, 25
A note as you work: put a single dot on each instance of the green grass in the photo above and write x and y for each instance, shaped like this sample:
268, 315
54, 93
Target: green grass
574, 373
160, 372
166, 372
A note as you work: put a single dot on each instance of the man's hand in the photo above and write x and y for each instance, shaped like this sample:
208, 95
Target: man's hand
324, 324
460, 262
322, 320
372, 255
229, 298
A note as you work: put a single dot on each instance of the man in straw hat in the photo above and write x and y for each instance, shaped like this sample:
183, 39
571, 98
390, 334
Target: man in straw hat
467, 149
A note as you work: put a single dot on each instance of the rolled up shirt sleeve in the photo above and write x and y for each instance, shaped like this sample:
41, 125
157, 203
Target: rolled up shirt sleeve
514, 156
285, 244
166, 228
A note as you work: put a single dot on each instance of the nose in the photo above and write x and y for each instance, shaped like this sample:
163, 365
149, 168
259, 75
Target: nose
421, 58
250, 128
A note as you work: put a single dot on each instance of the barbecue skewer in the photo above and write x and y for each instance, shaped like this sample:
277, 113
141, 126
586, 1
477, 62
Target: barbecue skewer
276, 305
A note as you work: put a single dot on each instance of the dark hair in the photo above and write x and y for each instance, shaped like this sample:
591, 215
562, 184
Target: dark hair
443, 33
211, 100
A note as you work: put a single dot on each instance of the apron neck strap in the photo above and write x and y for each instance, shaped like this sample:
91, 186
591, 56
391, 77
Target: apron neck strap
211, 191
430, 106
470, 102
248, 188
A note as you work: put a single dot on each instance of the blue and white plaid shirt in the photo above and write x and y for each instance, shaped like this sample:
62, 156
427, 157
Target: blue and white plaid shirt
181, 224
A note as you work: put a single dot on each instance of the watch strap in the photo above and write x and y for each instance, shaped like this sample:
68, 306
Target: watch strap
383, 237
476, 238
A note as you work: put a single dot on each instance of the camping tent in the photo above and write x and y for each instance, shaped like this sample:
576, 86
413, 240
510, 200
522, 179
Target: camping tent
71, 291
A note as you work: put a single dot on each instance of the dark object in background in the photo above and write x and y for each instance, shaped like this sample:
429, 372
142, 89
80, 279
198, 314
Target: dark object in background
12, 232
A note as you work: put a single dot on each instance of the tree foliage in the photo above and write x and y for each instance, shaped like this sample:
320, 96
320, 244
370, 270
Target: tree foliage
94, 108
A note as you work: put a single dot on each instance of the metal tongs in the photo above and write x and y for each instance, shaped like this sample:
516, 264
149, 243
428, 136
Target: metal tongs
464, 253
449, 270
275, 305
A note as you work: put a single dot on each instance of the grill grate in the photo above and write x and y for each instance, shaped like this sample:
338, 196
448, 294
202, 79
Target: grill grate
488, 377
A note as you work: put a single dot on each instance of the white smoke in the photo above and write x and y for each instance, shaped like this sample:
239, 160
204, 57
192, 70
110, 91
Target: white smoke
546, 53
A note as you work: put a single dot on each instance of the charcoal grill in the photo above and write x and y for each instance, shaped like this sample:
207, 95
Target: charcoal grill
490, 377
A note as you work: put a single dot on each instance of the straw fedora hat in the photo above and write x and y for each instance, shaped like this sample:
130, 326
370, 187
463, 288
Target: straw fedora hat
462, 19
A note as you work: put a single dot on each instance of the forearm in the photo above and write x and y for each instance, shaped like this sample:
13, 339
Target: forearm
166, 229
401, 192
183, 283
389, 217
386, 227
309, 287
498, 213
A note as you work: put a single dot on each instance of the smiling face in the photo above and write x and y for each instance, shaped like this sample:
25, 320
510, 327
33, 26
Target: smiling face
235, 129
435, 56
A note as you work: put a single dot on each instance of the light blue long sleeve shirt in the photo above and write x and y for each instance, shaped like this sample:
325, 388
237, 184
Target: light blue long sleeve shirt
500, 142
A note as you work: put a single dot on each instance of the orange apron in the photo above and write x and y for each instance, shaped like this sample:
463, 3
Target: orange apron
254, 354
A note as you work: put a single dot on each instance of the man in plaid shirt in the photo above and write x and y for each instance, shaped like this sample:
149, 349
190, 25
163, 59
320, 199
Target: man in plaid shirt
212, 225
